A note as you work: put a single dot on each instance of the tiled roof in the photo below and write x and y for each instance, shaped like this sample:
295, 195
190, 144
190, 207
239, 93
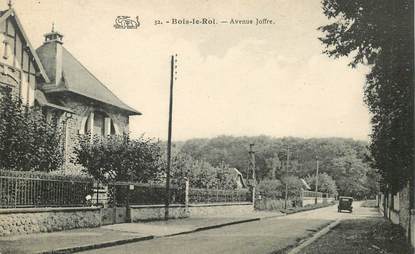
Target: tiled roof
77, 78
43, 101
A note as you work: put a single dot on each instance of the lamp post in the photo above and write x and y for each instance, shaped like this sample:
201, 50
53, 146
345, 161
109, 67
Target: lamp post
316, 179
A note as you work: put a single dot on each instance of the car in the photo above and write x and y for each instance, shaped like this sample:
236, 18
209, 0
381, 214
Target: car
345, 203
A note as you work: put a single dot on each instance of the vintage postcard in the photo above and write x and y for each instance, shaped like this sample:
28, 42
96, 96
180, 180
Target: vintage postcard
207, 126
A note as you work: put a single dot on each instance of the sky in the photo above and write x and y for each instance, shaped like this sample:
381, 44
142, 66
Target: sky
231, 79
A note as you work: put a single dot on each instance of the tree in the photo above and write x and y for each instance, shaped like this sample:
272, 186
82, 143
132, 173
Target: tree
326, 183
269, 186
379, 33
27, 140
273, 166
271, 156
350, 176
201, 174
119, 158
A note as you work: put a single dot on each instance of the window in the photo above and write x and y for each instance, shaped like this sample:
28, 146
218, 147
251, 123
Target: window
101, 124
6, 49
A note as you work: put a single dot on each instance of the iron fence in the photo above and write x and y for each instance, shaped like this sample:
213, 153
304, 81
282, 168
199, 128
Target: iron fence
217, 196
37, 189
313, 194
269, 194
123, 193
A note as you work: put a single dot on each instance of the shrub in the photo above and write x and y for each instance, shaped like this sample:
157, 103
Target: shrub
119, 158
27, 140
202, 174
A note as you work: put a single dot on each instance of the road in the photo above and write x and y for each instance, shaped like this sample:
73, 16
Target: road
264, 236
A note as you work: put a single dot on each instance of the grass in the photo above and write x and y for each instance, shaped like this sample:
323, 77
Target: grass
369, 236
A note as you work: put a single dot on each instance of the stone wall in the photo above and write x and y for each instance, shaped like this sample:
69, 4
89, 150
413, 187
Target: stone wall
35, 220
312, 200
270, 204
156, 212
400, 213
220, 209
404, 209
176, 211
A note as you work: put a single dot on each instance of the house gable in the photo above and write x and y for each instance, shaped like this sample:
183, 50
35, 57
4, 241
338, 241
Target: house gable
20, 66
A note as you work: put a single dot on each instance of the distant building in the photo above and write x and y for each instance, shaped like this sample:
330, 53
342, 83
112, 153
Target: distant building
305, 185
51, 78
239, 179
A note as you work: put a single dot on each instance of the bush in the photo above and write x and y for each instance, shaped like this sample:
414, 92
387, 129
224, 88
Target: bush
27, 140
326, 183
270, 186
119, 158
202, 174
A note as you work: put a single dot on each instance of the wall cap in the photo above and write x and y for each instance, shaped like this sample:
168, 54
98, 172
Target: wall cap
219, 204
156, 206
47, 209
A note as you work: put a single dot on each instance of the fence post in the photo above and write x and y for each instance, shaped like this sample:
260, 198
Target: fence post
302, 198
186, 194
253, 195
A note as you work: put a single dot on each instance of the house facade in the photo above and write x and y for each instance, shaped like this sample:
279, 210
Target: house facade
52, 79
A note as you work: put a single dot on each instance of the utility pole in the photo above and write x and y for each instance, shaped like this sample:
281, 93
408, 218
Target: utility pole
173, 66
252, 167
252, 162
286, 175
316, 180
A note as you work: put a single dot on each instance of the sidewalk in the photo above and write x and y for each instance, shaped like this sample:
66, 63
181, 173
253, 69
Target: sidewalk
363, 234
111, 235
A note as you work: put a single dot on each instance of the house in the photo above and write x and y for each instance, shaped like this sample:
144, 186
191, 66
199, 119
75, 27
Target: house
305, 185
51, 78
238, 178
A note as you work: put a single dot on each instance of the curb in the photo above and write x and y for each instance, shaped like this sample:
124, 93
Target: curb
316, 236
311, 209
97, 245
150, 237
211, 227
139, 239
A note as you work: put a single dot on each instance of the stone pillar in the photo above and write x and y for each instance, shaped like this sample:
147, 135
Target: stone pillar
186, 195
253, 195
412, 227
107, 126
91, 125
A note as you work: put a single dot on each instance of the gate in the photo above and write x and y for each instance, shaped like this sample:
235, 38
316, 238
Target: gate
116, 197
112, 212
113, 215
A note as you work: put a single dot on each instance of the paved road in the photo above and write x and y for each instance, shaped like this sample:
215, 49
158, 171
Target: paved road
265, 236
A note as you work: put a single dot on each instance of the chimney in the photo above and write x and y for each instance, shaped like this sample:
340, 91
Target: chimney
56, 39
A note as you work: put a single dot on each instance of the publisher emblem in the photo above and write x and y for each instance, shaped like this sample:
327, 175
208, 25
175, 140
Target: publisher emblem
126, 22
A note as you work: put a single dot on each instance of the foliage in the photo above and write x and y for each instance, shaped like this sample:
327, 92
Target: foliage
326, 183
294, 183
380, 33
119, 158
202, 174
339, 158
144, 194
27, 140
269, 186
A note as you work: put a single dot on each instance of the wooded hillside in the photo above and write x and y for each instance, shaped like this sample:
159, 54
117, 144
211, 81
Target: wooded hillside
345, 160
